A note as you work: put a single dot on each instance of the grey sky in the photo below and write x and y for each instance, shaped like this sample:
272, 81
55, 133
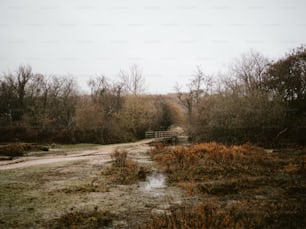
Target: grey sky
167, 38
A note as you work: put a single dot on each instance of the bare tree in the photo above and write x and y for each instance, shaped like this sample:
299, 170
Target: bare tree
8, 97
133, 80
200, 85
37, 98
62, 100
287, 77
24, 74
98, 86
248, 71
13, 92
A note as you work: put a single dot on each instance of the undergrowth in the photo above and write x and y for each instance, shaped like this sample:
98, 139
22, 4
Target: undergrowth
248, 186
19, 149
123, 170
83, 219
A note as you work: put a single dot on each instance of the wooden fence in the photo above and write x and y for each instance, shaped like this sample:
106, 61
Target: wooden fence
160, 134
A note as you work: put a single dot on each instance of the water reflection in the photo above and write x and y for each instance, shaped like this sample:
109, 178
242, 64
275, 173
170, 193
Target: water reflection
155, 182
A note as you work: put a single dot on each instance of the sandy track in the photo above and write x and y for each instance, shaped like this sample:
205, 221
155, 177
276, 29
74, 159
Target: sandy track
102, 154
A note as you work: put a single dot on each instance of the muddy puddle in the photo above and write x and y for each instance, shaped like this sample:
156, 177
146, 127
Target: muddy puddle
155, 184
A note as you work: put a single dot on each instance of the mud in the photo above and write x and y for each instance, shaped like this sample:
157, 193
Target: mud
102, 154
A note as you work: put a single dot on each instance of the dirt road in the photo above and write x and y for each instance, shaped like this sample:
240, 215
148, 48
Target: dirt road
102, 154
35, 196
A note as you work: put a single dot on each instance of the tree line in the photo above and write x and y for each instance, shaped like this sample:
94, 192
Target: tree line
37, 108
258, 100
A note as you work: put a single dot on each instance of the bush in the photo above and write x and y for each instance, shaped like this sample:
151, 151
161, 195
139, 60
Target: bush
198, 216
124, 171
13, 150
119, 157
91, 219
44, 148
239, 186
193, 162
19, 149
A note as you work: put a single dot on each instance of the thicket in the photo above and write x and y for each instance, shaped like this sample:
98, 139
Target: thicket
124, 170
237, 186
37, 108
258, 101
19, 149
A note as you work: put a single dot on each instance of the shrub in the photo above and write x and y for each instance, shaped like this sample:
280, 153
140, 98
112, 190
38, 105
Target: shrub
219, 152
11, 150
14, 150
182, 157
19, 149
91, 219
239, 186
119, 157
199, 160
198, 216
44, 148
124, 171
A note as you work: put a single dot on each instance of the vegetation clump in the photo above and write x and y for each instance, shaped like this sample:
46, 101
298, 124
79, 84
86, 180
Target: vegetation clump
83, 219
119, 157
123, 170
19, 149
236, 186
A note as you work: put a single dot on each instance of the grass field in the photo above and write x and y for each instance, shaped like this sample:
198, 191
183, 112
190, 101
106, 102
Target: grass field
207, 186
237, 186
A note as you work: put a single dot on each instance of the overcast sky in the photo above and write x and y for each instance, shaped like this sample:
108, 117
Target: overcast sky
166, 38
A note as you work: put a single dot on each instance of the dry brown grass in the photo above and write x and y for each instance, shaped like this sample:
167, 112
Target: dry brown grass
207, 214
119, 157
182, 157
81, 220
19, 149
249, 187
123, 170
199, 216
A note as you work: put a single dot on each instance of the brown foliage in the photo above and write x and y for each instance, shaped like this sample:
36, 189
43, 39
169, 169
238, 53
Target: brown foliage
119, 157
18, 149
182, 157
123, 170
88, 219
198, 216
241, 186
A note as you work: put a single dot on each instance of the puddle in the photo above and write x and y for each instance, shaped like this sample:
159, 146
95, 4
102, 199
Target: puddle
155, 184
